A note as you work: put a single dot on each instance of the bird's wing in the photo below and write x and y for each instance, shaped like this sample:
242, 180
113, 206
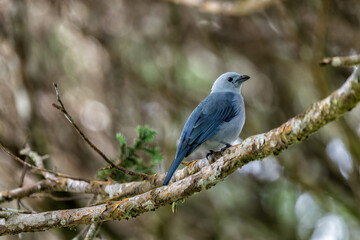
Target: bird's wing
205, 120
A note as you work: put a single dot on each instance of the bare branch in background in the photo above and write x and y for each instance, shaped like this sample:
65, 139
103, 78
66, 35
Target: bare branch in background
87, 140
232, 8
36, 169
341, 61
22, 177
93, 231
256, 147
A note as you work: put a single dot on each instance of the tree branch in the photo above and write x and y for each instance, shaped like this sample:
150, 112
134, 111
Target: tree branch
231, 8
341, 61
115, 191
252, 148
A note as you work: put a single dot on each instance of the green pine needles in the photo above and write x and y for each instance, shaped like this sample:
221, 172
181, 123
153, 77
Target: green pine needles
133, 157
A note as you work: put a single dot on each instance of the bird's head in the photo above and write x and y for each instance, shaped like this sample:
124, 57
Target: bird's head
230, 81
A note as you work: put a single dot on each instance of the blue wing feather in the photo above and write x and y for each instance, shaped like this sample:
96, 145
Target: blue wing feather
203, 123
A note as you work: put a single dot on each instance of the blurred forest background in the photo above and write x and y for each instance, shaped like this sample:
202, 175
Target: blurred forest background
120, 64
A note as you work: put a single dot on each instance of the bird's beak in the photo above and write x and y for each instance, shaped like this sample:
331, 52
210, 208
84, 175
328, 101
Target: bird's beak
243, 78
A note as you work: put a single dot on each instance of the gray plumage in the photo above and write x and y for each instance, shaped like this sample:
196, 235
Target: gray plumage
216, 122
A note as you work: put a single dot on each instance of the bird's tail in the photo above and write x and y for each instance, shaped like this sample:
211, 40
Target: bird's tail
172, 169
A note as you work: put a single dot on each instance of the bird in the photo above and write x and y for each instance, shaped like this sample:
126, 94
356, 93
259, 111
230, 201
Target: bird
215, 123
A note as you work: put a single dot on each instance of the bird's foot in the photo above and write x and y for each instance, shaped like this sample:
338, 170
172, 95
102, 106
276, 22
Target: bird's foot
227, 145
211, 152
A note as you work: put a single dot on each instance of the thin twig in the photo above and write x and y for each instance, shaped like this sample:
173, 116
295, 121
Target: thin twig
98, 151
23, 206
93, 231
36, 169
22, 177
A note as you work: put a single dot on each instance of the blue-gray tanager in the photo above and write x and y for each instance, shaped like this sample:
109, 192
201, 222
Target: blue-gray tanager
216, 122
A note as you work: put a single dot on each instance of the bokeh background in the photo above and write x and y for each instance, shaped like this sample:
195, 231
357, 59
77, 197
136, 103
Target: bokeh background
125, 63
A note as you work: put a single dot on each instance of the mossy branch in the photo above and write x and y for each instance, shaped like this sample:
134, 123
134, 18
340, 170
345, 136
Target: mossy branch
255, 147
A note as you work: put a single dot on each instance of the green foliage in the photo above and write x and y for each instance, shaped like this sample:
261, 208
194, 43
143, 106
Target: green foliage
130, 156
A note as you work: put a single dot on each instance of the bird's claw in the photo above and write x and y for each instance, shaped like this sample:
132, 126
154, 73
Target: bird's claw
227, 145
211, 152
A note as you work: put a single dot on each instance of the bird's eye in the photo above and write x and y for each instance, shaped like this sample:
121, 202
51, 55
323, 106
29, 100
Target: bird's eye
230, 79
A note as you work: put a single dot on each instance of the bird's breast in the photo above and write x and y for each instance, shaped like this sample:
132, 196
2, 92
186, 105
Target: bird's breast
228, 132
